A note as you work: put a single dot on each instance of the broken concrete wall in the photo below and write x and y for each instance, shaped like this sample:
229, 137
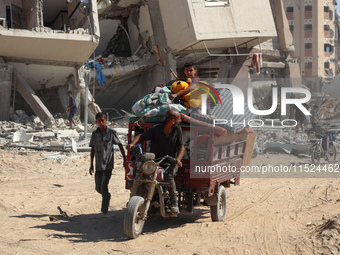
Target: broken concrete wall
295, 74
110, 27
190, 21
124, 92
31, 13
5, 91
133, 32
284, 34
161, 47
81, 13
145, 26
140, 29
17, 6
234, 70
102, 5
34, 101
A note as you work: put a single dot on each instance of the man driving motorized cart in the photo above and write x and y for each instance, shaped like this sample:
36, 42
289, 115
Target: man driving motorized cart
166, 139
191, 148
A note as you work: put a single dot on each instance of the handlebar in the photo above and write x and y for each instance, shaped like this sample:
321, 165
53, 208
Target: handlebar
171, 159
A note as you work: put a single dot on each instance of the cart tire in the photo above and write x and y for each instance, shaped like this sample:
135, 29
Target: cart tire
316, 154
133, 224
331, 153
218, 211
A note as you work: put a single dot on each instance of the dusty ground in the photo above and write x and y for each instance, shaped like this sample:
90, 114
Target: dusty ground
265, 216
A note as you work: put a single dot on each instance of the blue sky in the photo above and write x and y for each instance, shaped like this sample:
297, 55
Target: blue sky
338, 7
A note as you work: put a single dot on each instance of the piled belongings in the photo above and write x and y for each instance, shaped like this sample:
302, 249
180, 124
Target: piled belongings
153, 108
156, 104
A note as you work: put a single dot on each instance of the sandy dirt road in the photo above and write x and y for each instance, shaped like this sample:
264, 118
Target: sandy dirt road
264, 216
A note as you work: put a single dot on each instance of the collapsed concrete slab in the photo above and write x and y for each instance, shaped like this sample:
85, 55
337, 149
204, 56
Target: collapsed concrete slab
33, 100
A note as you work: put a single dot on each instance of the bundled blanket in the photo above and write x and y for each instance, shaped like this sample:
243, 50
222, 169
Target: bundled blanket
156, 104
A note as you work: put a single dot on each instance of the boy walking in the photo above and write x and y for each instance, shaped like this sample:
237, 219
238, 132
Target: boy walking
102, 149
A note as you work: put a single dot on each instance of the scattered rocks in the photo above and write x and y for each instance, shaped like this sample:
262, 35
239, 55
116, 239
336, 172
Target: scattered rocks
30, 133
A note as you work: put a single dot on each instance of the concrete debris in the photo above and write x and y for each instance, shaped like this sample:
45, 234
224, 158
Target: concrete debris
21, 136
330, 108
35, 136
286, 142
60, 123
113, 66
29, 133
279, 141
60, 158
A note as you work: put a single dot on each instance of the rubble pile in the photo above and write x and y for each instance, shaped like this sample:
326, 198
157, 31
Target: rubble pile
30, 133
111, 60
329, 109
281, 141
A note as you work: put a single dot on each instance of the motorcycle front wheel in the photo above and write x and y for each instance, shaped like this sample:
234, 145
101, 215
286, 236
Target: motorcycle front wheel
133, 222
316, 154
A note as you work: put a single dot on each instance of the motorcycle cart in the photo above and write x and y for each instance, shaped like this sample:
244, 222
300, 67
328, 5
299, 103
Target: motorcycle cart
211, 164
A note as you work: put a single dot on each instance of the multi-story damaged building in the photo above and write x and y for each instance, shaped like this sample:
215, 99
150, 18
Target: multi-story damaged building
313, 26
46, 42
212, 34
42, 44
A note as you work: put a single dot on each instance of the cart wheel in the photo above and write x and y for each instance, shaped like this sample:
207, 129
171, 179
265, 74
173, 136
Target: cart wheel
218, 211
133, 223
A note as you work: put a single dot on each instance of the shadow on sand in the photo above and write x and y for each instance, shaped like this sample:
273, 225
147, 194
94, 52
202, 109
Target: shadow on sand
95, 227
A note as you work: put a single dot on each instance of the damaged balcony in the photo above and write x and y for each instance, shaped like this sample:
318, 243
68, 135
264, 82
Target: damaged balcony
239, 25
57, 32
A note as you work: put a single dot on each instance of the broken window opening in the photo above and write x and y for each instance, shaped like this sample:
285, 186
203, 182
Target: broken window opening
56, 15
14, 18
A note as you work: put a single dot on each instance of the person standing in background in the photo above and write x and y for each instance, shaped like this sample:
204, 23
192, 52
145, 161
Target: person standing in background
72, 108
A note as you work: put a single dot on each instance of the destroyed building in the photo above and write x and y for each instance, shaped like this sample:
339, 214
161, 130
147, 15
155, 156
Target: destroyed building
136, 43
217, 36
43, 43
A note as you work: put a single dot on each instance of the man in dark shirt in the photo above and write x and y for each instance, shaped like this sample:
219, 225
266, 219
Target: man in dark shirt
72, 108
166, 139
102, 149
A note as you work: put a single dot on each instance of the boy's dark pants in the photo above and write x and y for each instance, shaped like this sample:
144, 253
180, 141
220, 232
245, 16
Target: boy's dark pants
102, 179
